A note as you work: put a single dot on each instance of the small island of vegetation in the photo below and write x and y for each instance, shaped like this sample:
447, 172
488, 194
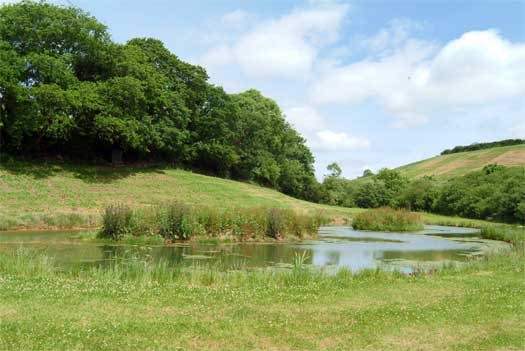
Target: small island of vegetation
180, 221
388, 220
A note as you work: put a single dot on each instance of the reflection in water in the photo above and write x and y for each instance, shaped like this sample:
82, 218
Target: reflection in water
335, 247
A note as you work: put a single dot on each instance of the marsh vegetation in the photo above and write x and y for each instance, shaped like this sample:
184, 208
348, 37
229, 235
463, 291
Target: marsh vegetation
389, 220
179, 221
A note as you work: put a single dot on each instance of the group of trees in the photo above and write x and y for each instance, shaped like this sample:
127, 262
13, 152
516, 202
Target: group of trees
67, 89
481, 146
493, 193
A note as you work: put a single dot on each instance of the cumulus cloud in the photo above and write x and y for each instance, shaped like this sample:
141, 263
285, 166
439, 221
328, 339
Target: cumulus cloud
328, 140
309, 122
388, 39
305, 118
419, 78
283, 47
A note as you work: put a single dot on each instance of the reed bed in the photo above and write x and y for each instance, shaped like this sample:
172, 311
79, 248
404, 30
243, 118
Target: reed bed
180, 221
388, 219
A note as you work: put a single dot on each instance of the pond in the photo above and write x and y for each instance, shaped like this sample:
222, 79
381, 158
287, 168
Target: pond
334, 248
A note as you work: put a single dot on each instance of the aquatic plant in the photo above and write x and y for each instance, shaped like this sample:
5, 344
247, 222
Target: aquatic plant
176, 222
117, 221
180, 221
299, 260
388, 219
275, 223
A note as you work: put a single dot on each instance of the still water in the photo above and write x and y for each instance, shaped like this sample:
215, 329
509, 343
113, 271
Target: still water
335, 247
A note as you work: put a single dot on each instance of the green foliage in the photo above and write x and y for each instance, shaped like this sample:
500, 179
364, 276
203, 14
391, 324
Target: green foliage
117, 221
382, 190
66, 89
387, 219
481, 146
275, 223
494, 193
512, 234
419, 195
335, 170
367, 173
177, 222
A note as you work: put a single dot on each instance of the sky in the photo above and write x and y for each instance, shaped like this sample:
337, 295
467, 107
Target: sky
369, 84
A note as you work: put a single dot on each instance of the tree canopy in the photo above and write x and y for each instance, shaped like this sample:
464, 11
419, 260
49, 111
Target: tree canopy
67, 89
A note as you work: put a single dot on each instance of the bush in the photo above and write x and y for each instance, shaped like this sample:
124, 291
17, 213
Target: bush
387, 219
176, 222
117, 221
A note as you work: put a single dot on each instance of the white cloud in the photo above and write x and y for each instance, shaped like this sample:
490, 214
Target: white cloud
284, 47
305, 118
390, 38
328, 140
309, 122
418, 78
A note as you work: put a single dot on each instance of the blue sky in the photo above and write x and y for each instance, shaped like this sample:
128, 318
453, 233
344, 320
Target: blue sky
369, 84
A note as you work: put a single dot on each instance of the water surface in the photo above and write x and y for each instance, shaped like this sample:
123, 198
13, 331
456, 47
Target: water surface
334, 248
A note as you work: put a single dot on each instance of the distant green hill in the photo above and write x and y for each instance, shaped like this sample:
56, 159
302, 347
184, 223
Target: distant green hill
461, 163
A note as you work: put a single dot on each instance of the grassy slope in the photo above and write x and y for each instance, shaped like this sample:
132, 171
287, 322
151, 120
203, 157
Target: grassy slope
43, 195
463, 162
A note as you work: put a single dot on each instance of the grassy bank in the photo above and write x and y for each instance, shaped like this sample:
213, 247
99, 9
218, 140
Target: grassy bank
40, 195
142, 306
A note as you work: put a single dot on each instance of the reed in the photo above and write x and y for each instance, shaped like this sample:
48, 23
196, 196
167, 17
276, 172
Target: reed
388, 219
179, 221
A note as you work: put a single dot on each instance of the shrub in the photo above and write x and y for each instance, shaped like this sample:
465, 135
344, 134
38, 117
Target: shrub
176, 222
387, 219
117, 221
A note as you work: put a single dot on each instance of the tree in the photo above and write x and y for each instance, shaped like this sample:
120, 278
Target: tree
367, 173
334, 169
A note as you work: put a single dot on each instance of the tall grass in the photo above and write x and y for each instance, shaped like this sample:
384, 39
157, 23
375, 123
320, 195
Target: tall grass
117, 221
388, 219
511, 234
179, 221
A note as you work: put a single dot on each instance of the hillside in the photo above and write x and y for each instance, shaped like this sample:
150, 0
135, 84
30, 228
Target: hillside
461, 163
41, 195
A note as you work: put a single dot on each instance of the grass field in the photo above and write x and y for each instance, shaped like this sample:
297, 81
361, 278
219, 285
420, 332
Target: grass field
464, 162
46, 195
